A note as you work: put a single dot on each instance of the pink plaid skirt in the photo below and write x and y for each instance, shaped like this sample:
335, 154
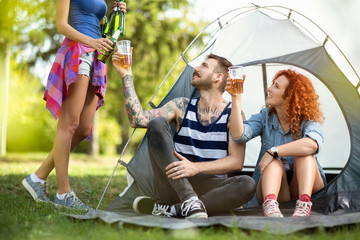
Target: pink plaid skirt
64, 72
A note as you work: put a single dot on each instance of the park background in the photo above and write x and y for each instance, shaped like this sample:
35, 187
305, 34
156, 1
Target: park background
159, 32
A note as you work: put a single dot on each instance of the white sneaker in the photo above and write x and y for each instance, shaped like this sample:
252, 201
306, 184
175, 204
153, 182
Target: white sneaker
302, 209
148, 205
271, 208
193, 208
36, 189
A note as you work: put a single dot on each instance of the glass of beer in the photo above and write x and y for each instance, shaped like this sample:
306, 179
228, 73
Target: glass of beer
237, 80
123, 47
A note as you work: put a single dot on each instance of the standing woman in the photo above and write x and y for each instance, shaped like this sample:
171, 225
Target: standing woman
291, 138
75, 90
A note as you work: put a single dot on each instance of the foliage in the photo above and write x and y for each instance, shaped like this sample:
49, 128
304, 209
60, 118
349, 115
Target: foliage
159, 31
22, 218
27, 25
30, 126
24, 28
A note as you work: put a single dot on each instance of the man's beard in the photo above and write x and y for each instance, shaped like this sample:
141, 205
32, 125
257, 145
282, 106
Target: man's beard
201, 83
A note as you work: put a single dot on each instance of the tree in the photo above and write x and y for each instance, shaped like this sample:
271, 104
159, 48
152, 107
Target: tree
159, 31
19, 26
30, 127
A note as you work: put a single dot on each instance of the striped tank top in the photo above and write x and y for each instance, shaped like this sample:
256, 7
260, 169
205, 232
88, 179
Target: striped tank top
200, 143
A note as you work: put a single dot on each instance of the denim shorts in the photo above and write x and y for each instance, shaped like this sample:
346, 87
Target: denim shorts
86, 65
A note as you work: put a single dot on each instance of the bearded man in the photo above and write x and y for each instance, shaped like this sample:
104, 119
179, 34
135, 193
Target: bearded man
190, 169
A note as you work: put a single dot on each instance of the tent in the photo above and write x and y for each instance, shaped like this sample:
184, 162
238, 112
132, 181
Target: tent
265, 40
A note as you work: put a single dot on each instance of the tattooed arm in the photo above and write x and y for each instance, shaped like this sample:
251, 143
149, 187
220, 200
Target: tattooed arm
173, 111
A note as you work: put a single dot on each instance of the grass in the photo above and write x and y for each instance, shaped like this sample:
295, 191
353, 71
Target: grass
23, 218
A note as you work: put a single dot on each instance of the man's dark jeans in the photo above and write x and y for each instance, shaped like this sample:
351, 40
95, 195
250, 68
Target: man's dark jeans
219, 194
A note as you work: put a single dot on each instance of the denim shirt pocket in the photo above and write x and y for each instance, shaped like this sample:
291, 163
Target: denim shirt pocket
266, 143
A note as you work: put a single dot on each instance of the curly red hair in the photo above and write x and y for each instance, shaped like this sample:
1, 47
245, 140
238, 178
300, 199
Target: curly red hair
302, 100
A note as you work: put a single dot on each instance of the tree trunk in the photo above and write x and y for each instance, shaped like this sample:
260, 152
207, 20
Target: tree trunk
124, 137
4, 94
122, 118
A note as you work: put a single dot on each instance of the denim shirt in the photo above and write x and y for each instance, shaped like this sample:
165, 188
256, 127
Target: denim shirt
267, 125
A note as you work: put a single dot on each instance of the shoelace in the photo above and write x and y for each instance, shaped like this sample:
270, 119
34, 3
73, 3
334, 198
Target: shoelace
190, 205
302, 208
42, 191
271, 207
161, 210
75, 201
42, 188
72, 197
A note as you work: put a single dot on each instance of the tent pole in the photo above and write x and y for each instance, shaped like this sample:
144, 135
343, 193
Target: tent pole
263, 67
119, 161
289, 14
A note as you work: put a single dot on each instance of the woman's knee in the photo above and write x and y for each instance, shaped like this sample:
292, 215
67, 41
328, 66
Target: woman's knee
305, 161
68, 124
305, 158
83, 131
274, 168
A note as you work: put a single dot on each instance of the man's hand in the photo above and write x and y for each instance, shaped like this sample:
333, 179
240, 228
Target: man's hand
116, 62
181, 169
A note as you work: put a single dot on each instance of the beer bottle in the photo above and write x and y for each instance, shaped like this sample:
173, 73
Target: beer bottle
121, 21
109, 28
103, 56
116, 20
103, 24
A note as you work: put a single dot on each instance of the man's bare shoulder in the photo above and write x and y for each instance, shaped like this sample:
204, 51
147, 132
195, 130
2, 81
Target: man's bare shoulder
180, 103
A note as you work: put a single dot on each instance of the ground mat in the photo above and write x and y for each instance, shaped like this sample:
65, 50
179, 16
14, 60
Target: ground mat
246, 219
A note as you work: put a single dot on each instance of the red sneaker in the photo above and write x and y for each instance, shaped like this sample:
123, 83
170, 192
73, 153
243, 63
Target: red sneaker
271, 208
302, 209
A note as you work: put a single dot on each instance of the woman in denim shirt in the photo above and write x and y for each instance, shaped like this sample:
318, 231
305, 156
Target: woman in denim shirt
291, 137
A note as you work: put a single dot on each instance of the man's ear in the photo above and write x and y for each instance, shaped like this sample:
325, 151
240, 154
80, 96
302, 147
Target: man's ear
219, 77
